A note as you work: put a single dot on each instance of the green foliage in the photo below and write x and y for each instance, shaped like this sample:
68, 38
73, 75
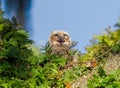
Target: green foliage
111, 80
24, 65
103, 44
15, 55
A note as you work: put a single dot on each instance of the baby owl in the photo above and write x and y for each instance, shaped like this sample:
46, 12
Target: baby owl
59, 42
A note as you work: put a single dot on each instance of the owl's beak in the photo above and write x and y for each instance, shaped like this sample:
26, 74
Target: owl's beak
61, 39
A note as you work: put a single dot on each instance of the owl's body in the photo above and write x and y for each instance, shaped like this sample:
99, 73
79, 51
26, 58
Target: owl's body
59, 43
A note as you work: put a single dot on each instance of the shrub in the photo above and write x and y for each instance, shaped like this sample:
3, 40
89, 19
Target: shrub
24, 65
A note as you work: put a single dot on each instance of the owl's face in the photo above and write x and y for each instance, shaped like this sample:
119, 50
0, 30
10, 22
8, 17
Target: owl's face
59, 38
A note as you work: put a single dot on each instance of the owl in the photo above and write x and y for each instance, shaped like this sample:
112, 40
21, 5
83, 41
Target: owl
59, 42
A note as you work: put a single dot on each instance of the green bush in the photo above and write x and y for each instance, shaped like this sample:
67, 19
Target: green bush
103, 45
24, 65
102, 80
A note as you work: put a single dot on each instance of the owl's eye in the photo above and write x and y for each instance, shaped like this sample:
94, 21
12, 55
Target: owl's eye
65, 36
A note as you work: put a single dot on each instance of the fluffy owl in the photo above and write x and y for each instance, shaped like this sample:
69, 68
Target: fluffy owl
59, 42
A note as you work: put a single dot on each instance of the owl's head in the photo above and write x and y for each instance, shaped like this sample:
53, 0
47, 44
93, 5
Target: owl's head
59, 38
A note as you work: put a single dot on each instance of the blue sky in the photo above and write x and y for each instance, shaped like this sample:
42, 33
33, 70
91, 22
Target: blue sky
80, 18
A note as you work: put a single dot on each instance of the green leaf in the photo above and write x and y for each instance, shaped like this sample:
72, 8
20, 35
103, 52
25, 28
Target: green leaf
13, 52
116, 47
1, 27
13, 42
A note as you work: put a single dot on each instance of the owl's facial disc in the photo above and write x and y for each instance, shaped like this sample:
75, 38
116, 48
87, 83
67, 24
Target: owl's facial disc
59, 39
